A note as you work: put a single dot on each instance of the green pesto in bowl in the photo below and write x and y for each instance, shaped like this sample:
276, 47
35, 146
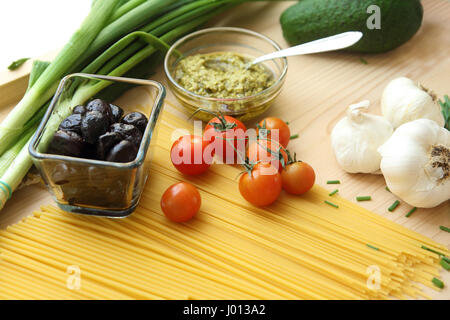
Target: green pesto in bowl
222, 75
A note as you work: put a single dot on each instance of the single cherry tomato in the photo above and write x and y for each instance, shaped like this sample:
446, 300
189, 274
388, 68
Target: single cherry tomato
228, 135
180, 202
298, 177
189, 155
263, 150
262, 186
271, 123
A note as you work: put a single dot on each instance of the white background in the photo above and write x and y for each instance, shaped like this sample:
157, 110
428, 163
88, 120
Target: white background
30, 28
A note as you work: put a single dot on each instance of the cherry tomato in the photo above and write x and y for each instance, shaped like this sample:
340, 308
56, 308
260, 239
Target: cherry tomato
228, 135
298, 177
267, 151
189, 155
263, 186
271, 123
180, 202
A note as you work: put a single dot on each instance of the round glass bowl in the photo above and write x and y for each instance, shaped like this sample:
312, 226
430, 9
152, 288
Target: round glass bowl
224, 39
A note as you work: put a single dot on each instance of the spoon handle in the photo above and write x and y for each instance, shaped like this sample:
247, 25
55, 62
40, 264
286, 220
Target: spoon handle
336, 42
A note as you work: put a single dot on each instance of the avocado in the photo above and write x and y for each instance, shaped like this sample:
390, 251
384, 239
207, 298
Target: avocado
309, 20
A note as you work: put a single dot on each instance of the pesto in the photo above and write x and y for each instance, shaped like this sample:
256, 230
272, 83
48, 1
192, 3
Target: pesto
222, 75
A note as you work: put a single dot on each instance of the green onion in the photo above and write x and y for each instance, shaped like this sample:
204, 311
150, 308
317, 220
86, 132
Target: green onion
331, 204
295, 136
446, 259
363, 60
444, 228
434, 251
410, 212
332, 193
394, 205
438, 283
364, 198
333, 182
444, 264
372, 247
387, 189
16, 64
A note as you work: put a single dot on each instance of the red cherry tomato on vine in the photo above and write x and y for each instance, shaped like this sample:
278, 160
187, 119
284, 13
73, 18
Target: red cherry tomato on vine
228, 135
180, 202
262, 186
298, 177
272, 123
190, 155
270, 151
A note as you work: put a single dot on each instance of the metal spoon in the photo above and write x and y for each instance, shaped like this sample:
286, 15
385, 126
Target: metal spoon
336, 42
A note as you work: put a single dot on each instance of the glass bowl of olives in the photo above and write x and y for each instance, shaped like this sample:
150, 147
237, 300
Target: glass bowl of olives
94, 152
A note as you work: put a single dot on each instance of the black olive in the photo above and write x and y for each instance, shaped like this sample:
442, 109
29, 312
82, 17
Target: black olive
137, 119
127, 132
72, 123
66, 143
79, 110
117, 112
124, 151
93, 125
106, 142
102, 107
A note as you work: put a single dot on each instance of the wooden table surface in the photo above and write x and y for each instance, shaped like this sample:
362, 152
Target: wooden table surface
317, 91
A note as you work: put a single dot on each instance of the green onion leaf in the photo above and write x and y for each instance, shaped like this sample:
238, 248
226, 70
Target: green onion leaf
444, 228
387, 189
364, 198
333, 182
295, 136
363, 60
372, 247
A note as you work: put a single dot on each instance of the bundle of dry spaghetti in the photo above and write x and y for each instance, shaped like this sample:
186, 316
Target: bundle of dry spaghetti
298, 248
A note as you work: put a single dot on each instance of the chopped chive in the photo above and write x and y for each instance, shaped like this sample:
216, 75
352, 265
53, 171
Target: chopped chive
410, 212
438, 283
372, 247
363, 60
332, 193
445, 264
333, 182
434, 251
287, 122
16, 64
394, 205
387, 189
364, 198
294, 136
444, 228
446, 259
331, 204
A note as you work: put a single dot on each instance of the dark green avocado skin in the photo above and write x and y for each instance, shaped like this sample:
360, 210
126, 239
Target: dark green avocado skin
309, 20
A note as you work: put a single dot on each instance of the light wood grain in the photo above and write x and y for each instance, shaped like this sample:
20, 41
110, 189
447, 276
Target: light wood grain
317, 91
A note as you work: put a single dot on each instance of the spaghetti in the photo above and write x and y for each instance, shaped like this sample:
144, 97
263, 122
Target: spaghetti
298, 248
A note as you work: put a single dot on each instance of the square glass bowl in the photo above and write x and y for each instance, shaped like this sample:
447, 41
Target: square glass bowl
226, 39
96, 187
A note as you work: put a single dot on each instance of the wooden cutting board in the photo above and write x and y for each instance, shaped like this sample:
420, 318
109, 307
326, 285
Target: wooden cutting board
316, 93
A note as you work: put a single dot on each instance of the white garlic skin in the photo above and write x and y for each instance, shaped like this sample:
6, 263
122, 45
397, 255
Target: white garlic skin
404, 101
356, 138
407, 166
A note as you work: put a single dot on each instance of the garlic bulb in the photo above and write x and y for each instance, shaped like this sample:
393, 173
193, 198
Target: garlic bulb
356, 138
404, 101
416, 163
